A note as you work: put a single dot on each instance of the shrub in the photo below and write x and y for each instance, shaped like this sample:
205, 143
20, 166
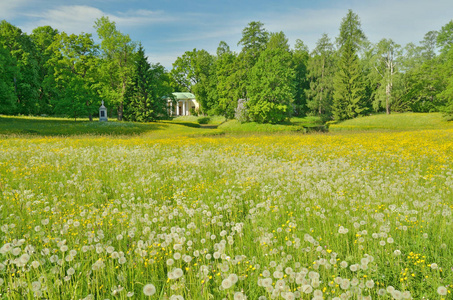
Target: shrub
203, 120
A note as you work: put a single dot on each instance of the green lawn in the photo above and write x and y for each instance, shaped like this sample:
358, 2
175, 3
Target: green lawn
201, 126
186, 125
396, 121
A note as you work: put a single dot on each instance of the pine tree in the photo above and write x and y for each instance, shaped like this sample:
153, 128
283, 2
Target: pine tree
320, 76
145, 99
348, 93
301, 60
348, 82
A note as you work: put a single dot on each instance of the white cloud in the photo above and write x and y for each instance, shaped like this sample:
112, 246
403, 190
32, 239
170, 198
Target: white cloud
71, 19
403, 21
307, 25
10, 9
81, 18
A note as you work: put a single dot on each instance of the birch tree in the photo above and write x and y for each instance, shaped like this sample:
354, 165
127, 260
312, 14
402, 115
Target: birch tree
385, 65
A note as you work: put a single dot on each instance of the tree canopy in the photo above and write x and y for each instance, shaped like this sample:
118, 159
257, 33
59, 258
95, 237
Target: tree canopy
267, 80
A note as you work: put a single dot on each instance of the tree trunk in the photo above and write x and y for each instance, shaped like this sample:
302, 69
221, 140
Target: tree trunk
322, 88
90, 116
387, 99
120, 111
120, 105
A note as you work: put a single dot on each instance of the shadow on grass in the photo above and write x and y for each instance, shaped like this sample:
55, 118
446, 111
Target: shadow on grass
188, 124
65, 127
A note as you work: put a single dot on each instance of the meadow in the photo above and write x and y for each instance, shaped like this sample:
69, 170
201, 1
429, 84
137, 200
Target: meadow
174, 213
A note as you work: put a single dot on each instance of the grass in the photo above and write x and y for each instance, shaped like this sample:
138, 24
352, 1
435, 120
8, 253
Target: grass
45, 126
160, 213
213, 120
180, 126
294, 125
395, 121
233, 126
40, 126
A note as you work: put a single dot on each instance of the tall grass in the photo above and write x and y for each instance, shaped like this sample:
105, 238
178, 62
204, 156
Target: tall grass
347, 216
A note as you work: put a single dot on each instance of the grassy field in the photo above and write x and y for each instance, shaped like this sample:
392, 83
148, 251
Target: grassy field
399, 122
175, 213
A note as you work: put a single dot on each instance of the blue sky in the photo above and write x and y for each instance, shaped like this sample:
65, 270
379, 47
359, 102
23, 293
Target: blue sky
168, 28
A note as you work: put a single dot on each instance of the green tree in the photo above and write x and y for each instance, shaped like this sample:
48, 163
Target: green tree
195, 71
117, 69
444, 38
227, 86
320, 74
26, 79
386, 60
278, 40
146, 99
301, 58
445, 70
348, 86
423, 79
43, 37
75, 66
271, 87
254, 41
8, 70
348, 97
351, 33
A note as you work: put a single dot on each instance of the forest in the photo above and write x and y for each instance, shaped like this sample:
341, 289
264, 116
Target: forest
54, 73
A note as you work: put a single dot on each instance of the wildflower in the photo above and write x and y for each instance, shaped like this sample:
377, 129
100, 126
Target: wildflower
227, 283
177, 273
233, 277
407, 295
397, 295
35, 264
24, 258
16, 251
239, 296
369, 284
35, 286
277, 274
149, 289
442, 290
307, 289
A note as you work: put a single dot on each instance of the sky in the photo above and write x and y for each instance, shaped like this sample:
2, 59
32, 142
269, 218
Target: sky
168, 28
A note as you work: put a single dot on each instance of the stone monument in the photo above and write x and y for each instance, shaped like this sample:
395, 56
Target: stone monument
102, 112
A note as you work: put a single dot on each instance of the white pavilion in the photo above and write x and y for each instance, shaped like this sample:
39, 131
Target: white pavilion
184, 103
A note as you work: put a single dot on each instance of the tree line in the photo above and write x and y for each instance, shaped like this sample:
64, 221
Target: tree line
48, 72
54, 73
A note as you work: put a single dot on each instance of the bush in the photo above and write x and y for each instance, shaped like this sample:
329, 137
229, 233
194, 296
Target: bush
203, 120
193, 111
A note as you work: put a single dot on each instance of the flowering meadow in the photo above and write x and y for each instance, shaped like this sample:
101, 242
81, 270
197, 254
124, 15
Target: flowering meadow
288, 216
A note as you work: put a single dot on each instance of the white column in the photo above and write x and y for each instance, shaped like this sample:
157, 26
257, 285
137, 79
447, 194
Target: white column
184, 108
177, 108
